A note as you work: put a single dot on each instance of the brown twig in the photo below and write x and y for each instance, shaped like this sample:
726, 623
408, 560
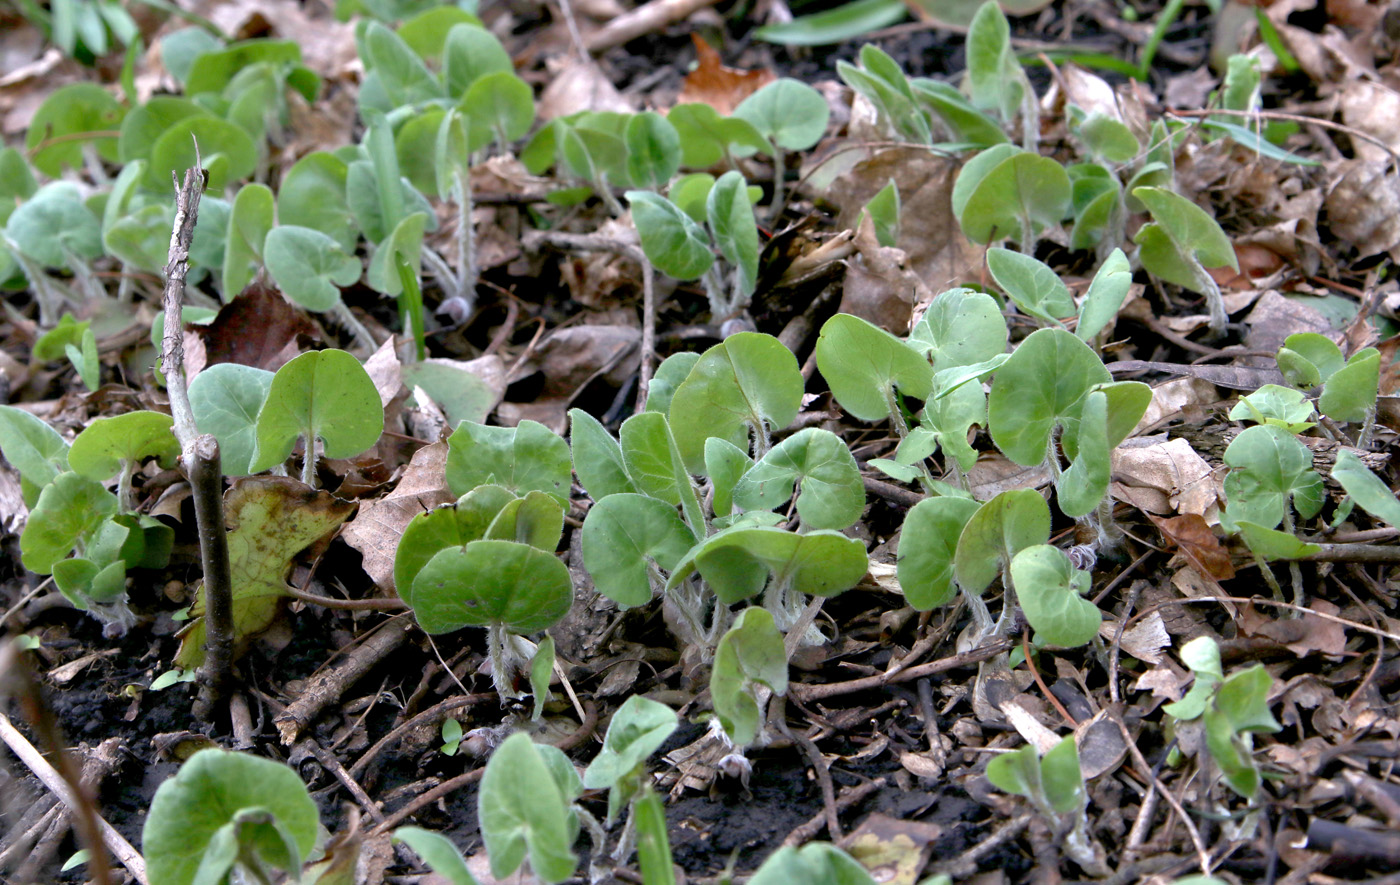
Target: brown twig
804, 691
848, 797
434, 715
778, 716
643, 20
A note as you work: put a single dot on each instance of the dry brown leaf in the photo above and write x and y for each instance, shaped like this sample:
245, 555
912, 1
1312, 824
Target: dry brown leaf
258, 328
1143, 640
376, 529
385, 371
1301, 635
1364, 206
1193, 537
1275, 317
1164, 477
572, 357
575, 86
894, 851
1163, 682
714, 84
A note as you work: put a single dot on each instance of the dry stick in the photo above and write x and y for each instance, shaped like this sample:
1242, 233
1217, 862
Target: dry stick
965, 864
434, 715
1155, 783
200, 458
329, 685
1394, 637
63, 777
778, 715
803, 692
648, 333
849, 796
643, 20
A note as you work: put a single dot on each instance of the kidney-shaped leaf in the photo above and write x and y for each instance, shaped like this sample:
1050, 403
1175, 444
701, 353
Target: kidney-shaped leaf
749, 380
522, 810
963, 327
1003, 187
672, 241
191, 809
1051, 592
68, 509
863, 364
1269, 467
638, 729
622, 536
516, 586
736, 562
98, 452
308, 266
324, 394
1001, 528
226, 399
787, 112
831, 494
31, 446
528, 457
1043, 384
455, 525
1035, 288
750, 653
928, 542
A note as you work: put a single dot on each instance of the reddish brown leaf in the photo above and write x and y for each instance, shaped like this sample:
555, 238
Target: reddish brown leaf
719, 87
1197, 543
258, 328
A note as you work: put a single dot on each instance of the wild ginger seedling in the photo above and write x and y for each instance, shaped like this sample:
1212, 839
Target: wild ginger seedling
637, 730
1054, 784
525, 809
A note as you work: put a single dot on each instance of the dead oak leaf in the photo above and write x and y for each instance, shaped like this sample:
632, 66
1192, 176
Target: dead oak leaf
376, 529
271, 519
719, 87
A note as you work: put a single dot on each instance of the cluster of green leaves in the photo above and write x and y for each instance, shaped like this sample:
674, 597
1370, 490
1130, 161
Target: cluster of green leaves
1054, 784
1229, 709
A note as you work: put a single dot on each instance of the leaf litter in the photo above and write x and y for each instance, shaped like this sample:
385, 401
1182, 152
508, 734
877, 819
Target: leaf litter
904, 724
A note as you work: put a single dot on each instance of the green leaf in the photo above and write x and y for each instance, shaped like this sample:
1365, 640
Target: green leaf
403, 245
994, 77
725, 463
462, 395
1269, 469
597, 457
1061, 776
1350, 394
227, 151
638, 729
707, 138
787, 112
55, 228
516, 586
209, 793
816, 863
1244, 700
730, 214
749, 654
69, 508
402, 74
927, 544
309, 267
1108, 139
1269, 544
1051, 590
436, 850
455, 525
830, 492
1007, 192
541, 667
249, 224
62, 121
31, 446
845, 22
98, 452
864, 365
1043, 384
1202, 656
736, 562
324, 395
1181, 232
536, 519
943, 424
226, 399
1035, 288
967, 123
690, 193
1001, 528
881, 81
1017, 772
179, 49
1256, 142
1105, 296
672, 372
672, 241
1079, 489
1275, 404
624, 536
426, 33
500, 103
653, 150
883, 209
1307, 359
313, 195
523, 458
748, 383
212, 71
1365, 488
522, 810
963, 327
653, 845
470, 53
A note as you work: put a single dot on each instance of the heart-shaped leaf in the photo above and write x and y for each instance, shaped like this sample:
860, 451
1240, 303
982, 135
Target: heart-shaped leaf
830, 492
226, 399
527, 457
749, 383
672, 241
623, 535
1270, 469
963, 327
1001, 528
324, 395
864, 365
455, 525
927, 544
1051, 591
522, 810
736, 562
1005, 191
1043, 384
653, 150
1035, 288
787, 112
749, 654
100, 450
638, 729
69, 508
308, 266
515, 586
31, 446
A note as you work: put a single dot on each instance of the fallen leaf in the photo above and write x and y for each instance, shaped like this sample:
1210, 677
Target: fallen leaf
575, 86
892, 850
1193, 537
376, 529
714, 84
1168, 476
1301, 635
1363, 207
271, 519
1144, 640
258, 328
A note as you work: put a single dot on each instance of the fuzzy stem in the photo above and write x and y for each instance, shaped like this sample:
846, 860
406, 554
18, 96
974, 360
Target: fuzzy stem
466, 240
